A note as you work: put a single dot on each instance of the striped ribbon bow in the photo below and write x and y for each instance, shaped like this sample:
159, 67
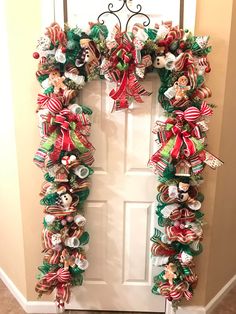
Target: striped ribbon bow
120, 68
185, 61
59, 280
67, 142
49, 282
60, 276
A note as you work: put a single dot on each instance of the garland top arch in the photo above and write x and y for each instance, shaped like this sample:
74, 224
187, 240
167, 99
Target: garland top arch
68, 59
124, 58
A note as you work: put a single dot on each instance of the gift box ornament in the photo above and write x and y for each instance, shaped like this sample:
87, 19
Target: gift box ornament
68, 160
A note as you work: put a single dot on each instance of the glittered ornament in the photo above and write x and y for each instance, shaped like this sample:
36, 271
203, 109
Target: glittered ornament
54, 105
36, 55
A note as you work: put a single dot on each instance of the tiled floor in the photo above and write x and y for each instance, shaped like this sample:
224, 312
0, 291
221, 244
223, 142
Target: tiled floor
8, 304
228, 305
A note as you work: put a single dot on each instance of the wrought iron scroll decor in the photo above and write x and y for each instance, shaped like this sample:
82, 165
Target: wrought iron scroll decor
125, 4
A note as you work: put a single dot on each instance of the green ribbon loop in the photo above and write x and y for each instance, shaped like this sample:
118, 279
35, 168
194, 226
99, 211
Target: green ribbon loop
81, 148
50, 141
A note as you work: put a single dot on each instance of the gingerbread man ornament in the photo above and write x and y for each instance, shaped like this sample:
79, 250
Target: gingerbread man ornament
181, 87
67, 259
170, 270
57, 81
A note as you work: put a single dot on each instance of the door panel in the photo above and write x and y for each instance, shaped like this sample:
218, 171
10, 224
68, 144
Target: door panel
136, 231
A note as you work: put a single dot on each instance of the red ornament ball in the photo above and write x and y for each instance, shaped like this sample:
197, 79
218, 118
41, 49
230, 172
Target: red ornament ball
69, 218
182, 45
36, 55
63, 49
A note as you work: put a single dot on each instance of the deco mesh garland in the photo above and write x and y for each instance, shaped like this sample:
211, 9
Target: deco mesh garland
67, 60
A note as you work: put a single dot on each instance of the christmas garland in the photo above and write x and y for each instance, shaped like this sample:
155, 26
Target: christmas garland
67, 60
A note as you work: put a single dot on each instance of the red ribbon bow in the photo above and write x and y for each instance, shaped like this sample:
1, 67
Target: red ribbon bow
182, 136
67, 143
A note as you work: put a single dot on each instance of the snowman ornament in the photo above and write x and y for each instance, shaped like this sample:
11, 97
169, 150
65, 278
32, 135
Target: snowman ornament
185, 258
65, 198
179, 192
56, 239
183, 189
165, 61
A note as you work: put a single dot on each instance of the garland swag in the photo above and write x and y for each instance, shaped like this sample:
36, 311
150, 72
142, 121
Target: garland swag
67, 60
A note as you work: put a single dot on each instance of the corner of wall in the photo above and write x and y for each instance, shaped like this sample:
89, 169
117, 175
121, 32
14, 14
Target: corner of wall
218, 26
223, 234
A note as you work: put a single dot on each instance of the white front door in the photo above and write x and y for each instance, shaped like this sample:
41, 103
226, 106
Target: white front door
121, 207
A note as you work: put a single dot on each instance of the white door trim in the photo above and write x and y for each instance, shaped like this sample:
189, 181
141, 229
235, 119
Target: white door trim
51, 11
190, 8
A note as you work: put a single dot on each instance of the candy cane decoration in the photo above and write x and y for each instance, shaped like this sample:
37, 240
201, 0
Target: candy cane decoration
179, 201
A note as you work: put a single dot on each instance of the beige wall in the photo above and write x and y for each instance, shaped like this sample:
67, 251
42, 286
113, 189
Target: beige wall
214, 18
218, 262
11, 231
22, 213
222, 253
24, 217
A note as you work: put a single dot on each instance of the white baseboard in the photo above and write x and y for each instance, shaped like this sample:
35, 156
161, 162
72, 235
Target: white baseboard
49, 307
185, 309
28, 306
209, 307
